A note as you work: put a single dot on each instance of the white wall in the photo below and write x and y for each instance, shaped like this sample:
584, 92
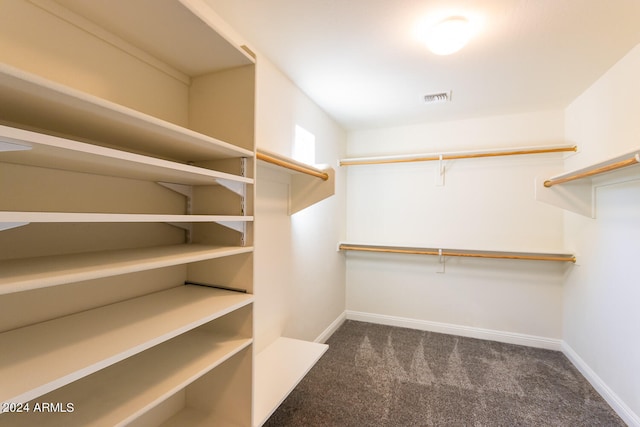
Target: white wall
299, 275
601, 315
485, 204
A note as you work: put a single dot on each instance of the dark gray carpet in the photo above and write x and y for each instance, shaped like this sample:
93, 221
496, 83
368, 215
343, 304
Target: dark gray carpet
374, 375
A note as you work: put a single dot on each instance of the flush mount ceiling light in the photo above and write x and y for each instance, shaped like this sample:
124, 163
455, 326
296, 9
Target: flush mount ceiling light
448, 36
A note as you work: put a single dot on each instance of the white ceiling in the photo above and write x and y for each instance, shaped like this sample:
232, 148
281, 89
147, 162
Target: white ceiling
360, 62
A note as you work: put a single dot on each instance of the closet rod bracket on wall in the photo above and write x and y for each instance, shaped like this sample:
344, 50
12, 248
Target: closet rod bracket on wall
440, 172
442, 260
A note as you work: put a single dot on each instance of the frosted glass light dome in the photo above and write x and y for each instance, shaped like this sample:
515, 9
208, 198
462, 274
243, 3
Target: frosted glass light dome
448, 36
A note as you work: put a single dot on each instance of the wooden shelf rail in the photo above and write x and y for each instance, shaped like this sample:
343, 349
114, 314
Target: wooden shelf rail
459, 253
597, 169
456, 155
291, 164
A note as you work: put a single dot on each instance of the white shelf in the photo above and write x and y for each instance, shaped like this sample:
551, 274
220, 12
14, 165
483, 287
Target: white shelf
37, 101
13, 216
176, 26
119, 394
40, 358
34, 273
575, 191
278, 369
606, 167
48, 151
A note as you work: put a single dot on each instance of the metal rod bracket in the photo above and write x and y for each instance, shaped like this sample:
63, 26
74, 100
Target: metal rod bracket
440, 172
442, 261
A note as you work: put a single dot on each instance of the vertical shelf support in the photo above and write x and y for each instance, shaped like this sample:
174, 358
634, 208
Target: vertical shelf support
243, 207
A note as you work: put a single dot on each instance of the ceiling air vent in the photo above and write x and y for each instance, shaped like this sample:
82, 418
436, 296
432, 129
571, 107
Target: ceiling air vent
435, 98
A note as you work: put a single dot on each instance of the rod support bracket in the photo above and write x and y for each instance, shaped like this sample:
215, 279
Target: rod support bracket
440, 172
442, 261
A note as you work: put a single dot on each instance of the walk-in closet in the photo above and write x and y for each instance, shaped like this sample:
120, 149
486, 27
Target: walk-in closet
287, 213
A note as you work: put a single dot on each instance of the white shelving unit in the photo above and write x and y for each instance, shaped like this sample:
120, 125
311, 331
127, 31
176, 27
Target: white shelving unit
127, 166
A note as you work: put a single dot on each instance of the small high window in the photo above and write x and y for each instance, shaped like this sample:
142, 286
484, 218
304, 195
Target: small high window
304, 146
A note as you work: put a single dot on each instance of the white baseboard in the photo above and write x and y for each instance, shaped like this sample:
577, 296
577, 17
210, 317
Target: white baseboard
324, 336
627, 415
465, 331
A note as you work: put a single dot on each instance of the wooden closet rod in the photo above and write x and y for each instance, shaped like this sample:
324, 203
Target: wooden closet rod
291, 165
594, 171
457, 253
454, 156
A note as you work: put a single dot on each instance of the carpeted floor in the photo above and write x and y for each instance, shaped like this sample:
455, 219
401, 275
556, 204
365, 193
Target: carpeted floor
374, 375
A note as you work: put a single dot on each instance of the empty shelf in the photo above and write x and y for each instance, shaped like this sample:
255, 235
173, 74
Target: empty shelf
49, 151
33, 273
12, 216
278, 369
40, 358
118, 394
42, 103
